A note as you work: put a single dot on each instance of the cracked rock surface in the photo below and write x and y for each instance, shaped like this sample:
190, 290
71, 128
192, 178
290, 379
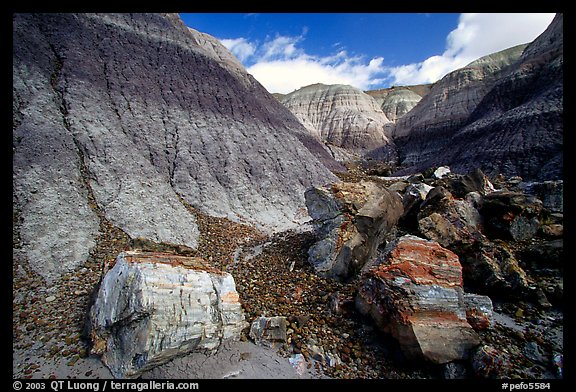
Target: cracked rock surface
137, 112
341, 115
152, 307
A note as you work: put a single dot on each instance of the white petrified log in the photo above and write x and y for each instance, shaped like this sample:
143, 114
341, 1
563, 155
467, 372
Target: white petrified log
152, 307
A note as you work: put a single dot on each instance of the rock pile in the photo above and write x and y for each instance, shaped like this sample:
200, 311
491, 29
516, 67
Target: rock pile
455, 233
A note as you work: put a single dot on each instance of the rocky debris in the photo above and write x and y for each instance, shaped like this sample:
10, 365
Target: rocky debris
511, 215
473, 181
478, 311
441, 172
415, 294
460, 224
152, 307
551, 193
89, 146
351, 220
491, 265
269, 331
273, 277
454, 223
487, 362
341, 115
493, 269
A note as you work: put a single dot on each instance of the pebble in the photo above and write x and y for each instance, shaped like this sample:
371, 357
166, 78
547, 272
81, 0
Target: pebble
262, 280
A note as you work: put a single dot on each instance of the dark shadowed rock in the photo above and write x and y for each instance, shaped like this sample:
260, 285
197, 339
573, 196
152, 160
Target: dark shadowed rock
487, 362
474, 181
550, 192
414, 196
511, 215
415, 294
491, 268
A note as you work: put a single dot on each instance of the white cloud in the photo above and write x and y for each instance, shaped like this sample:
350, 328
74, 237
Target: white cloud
280, 65
285, 76
477, 35
240, 47
281, 47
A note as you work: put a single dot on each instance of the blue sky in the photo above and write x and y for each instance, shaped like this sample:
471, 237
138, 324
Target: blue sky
290, 50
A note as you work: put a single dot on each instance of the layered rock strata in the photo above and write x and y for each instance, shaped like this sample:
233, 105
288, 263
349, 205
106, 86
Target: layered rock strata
502, 113
396, 101
415, 294
341, 115
119, 117
153, 307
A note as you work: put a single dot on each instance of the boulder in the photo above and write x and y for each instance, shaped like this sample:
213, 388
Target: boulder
351, 220
415, 294
269, 331
453, 223
474, 181
479, 311
491, 268
152, 307
441, 172
511, 215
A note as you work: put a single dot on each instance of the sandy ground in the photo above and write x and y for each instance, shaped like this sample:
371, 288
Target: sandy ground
233, 360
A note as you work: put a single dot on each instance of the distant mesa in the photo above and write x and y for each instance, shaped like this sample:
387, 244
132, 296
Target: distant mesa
502, 113
397, 101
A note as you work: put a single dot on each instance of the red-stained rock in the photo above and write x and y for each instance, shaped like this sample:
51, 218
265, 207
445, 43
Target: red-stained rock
479, 311
488, 266
415, 294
